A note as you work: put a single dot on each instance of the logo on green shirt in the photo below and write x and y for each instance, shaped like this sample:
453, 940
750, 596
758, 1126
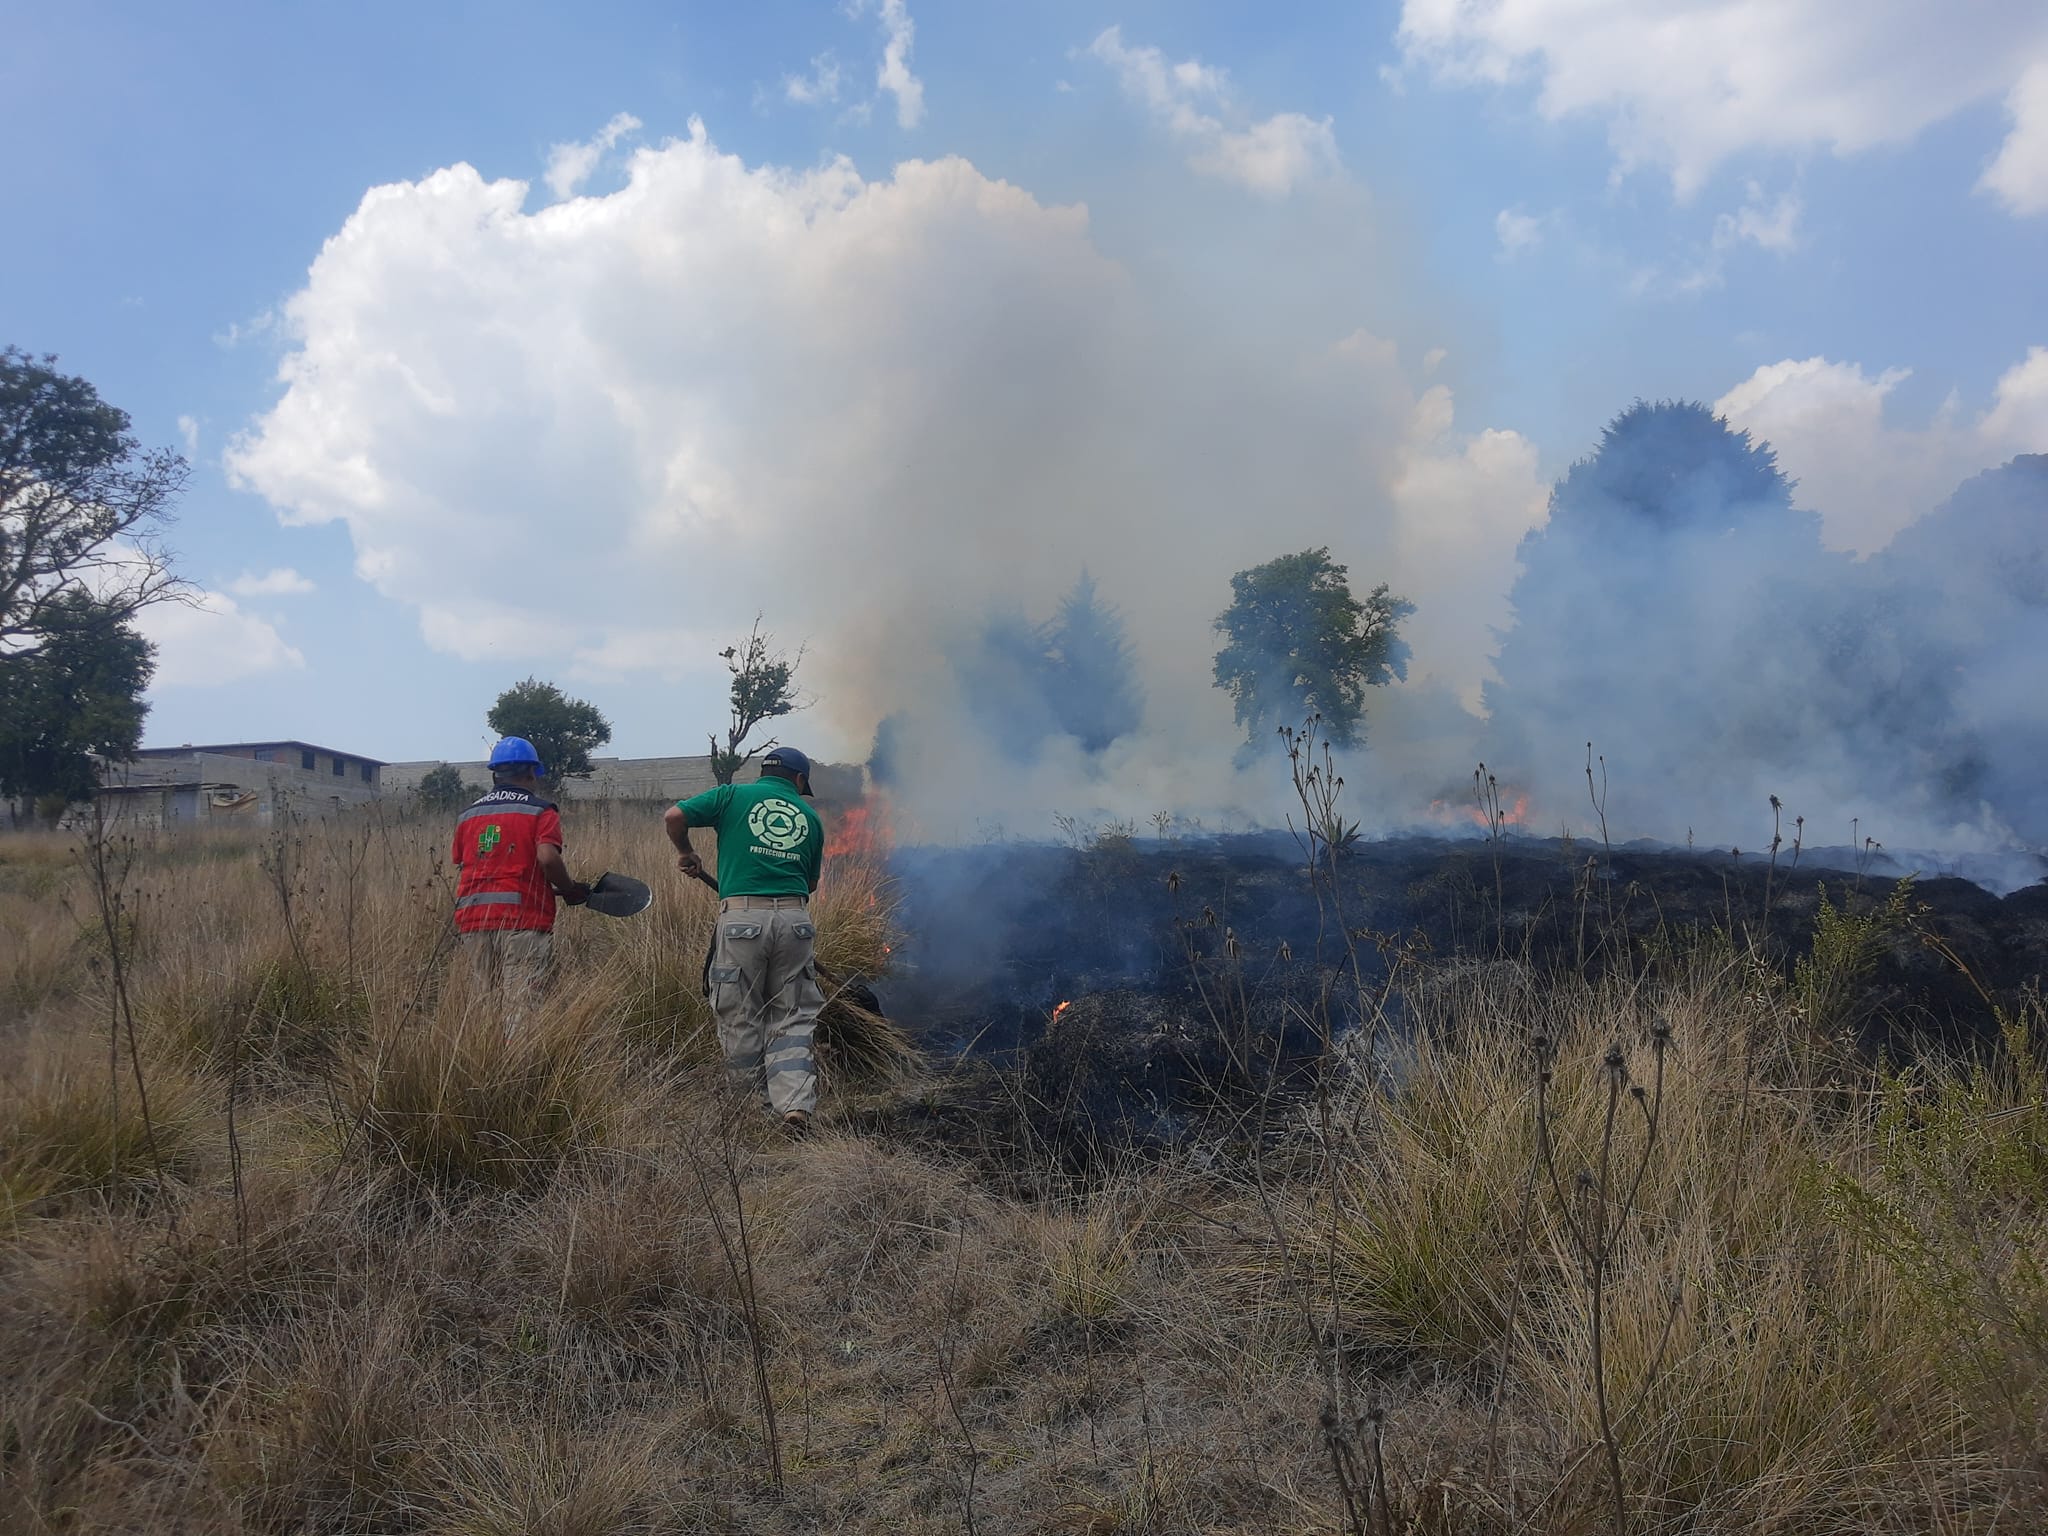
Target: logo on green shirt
487, 839
778, 824
769, 842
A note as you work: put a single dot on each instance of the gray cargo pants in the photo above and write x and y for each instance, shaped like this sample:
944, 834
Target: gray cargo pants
765, 996
512, 965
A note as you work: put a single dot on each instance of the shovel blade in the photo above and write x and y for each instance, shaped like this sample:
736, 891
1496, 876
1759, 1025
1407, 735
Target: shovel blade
618, 895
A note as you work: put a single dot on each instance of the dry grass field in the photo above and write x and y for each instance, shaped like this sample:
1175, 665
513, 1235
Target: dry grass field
293, 1239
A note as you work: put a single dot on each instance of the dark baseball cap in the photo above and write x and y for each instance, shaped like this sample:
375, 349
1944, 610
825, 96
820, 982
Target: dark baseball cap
789, 760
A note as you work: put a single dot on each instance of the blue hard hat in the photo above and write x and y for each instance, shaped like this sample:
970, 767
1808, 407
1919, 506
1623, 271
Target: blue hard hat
789, 760
513, 752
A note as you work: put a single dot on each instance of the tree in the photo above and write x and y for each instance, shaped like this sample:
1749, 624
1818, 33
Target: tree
441, 789
1678, 610
1298, 643
1025, 682
81, 508
763, 689
1094, 695
564, 731
78, 693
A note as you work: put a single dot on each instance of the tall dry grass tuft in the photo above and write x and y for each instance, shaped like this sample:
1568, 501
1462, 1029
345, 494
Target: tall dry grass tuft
855, 909
327, 1429
1425, 1252
457, 1098
546, 1481
73, 1128
1793, 1326
39, 952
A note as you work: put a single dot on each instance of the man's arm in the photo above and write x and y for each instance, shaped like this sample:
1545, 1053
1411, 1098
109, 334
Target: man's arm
676, 822
569, 888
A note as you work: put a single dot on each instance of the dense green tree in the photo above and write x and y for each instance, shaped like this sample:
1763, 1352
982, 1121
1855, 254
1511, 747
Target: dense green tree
1297, 642
79, 692
763, 689
564, 731
442, 789
1678, 610
81, 508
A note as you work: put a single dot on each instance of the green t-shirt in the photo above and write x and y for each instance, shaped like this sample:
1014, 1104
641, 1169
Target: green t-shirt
770, 843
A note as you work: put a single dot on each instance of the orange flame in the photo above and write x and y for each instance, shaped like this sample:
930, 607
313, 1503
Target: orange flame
863, 830
1448, 812
1060, 1009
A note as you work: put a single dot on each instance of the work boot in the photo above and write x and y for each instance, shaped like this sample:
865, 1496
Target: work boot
797, 1124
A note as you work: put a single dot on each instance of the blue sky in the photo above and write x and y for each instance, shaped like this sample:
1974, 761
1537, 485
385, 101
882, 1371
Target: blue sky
1367, 275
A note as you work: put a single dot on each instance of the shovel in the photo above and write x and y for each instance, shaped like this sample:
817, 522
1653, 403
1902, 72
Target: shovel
618, 895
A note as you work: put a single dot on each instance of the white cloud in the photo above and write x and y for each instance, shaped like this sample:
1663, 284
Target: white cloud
1775, 228
894, 76
1463, 503
1867, 476
600, 431
2019, 176
1703, 266
2018, 418
570, 165
1517, 232
260, 325
821, 85
210, 640
281, 582
202, 638
1687, 84
188, 429
1271, 156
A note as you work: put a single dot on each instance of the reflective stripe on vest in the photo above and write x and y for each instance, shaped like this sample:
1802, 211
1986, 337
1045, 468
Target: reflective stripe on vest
489, 899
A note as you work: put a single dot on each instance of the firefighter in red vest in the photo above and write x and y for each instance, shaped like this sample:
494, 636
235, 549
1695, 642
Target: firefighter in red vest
509, 848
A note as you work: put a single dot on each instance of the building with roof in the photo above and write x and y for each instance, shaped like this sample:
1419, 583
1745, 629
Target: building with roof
247, 782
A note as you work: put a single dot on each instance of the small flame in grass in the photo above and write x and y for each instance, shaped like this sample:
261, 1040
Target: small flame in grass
1449, 812
1058, 1009
863, 830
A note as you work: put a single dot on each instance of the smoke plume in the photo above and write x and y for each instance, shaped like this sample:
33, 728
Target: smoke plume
899, 415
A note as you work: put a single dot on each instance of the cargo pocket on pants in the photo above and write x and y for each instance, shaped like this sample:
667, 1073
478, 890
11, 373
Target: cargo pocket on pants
810, 995
724, 989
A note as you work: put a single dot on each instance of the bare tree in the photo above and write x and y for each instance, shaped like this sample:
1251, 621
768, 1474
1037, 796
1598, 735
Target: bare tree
763, 689
82, 508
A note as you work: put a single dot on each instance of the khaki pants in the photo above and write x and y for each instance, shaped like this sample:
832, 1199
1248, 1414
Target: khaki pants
765, 995
511, 965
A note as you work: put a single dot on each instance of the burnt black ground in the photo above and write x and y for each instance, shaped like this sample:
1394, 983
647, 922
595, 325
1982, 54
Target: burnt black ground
1137, 936
997, 936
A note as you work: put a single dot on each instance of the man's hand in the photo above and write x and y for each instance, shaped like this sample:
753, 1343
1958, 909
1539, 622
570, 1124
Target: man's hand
560, 881
688, 862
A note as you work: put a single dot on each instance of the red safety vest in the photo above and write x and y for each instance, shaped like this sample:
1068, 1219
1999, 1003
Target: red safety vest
496, 844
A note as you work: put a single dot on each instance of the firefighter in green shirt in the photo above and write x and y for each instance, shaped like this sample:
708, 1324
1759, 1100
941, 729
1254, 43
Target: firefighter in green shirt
764, 980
